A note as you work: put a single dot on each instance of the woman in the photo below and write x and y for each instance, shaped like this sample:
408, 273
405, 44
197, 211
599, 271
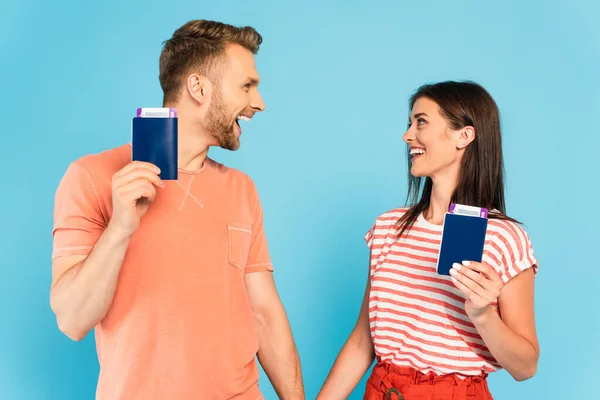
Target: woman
436, 336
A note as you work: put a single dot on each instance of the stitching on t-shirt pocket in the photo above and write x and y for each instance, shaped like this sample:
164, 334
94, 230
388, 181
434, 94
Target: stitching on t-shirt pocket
240, 236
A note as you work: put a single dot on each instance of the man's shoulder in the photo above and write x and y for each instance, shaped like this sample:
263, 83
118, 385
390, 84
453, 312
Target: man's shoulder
105, 162
87, 180
93, 172
234, 175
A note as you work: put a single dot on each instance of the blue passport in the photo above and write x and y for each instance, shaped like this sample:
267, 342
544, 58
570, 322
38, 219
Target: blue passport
463, 239
154, 140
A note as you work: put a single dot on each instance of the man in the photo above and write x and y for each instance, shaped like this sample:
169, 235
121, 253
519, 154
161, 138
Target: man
175, 276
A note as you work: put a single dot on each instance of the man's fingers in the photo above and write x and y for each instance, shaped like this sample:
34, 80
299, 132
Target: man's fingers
136, 190
135, 165
135, 174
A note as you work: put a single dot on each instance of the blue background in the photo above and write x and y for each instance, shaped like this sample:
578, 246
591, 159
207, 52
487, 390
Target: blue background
326, 156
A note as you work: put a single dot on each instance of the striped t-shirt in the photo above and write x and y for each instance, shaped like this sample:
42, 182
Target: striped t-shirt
416, 316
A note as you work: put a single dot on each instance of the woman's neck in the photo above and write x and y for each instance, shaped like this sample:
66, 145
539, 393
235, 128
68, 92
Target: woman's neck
441, 196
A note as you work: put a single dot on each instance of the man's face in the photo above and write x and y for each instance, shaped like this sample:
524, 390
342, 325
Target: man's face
234, 98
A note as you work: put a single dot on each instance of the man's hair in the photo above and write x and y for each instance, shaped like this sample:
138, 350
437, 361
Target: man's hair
197, 47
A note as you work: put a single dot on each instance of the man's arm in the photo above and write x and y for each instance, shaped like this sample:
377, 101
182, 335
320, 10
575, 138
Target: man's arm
83, 287
277, 351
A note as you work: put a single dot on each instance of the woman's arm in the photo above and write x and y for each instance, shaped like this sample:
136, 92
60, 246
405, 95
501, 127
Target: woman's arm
354, 359
511, 337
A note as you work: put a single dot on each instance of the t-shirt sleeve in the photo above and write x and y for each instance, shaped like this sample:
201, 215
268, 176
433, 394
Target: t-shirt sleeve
369, 236
510, 251
374, 251
78, 221
259, 259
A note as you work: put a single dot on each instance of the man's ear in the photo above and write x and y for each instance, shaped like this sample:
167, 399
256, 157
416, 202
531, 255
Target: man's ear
198, 87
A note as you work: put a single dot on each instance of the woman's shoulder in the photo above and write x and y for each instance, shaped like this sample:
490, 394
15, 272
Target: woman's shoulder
509, 248
391, 217
508, 229
397, 212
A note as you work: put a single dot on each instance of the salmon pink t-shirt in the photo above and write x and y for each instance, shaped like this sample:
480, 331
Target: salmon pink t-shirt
180, 325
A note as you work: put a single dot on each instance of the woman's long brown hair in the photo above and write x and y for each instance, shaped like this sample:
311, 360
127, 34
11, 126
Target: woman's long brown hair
481, 176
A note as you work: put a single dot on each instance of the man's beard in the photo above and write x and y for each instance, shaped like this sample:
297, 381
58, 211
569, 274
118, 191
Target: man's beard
220, 126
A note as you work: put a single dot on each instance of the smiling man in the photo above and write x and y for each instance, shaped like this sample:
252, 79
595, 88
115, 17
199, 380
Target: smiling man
175, 276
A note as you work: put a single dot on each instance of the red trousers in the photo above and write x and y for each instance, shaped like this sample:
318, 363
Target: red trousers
388, 382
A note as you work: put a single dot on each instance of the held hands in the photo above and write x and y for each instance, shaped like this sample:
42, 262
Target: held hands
480, 283
133, 189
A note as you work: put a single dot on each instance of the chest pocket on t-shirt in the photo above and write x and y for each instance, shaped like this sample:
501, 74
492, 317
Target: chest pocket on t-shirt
240, 236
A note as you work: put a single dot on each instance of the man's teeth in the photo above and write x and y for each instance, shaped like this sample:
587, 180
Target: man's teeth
416, 151
243, 118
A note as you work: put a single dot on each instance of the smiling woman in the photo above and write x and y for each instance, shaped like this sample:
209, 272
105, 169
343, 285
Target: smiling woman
454, 134
430, 334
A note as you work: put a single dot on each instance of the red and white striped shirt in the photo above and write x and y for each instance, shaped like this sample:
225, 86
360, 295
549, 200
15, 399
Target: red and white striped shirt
417, 317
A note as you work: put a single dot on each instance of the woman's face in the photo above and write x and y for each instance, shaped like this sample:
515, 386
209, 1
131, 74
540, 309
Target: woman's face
435, 148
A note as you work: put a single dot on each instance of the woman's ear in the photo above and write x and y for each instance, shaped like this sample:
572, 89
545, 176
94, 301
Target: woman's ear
467, 135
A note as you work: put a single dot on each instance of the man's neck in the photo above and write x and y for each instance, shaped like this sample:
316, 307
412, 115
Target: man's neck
192, 142
193, 148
